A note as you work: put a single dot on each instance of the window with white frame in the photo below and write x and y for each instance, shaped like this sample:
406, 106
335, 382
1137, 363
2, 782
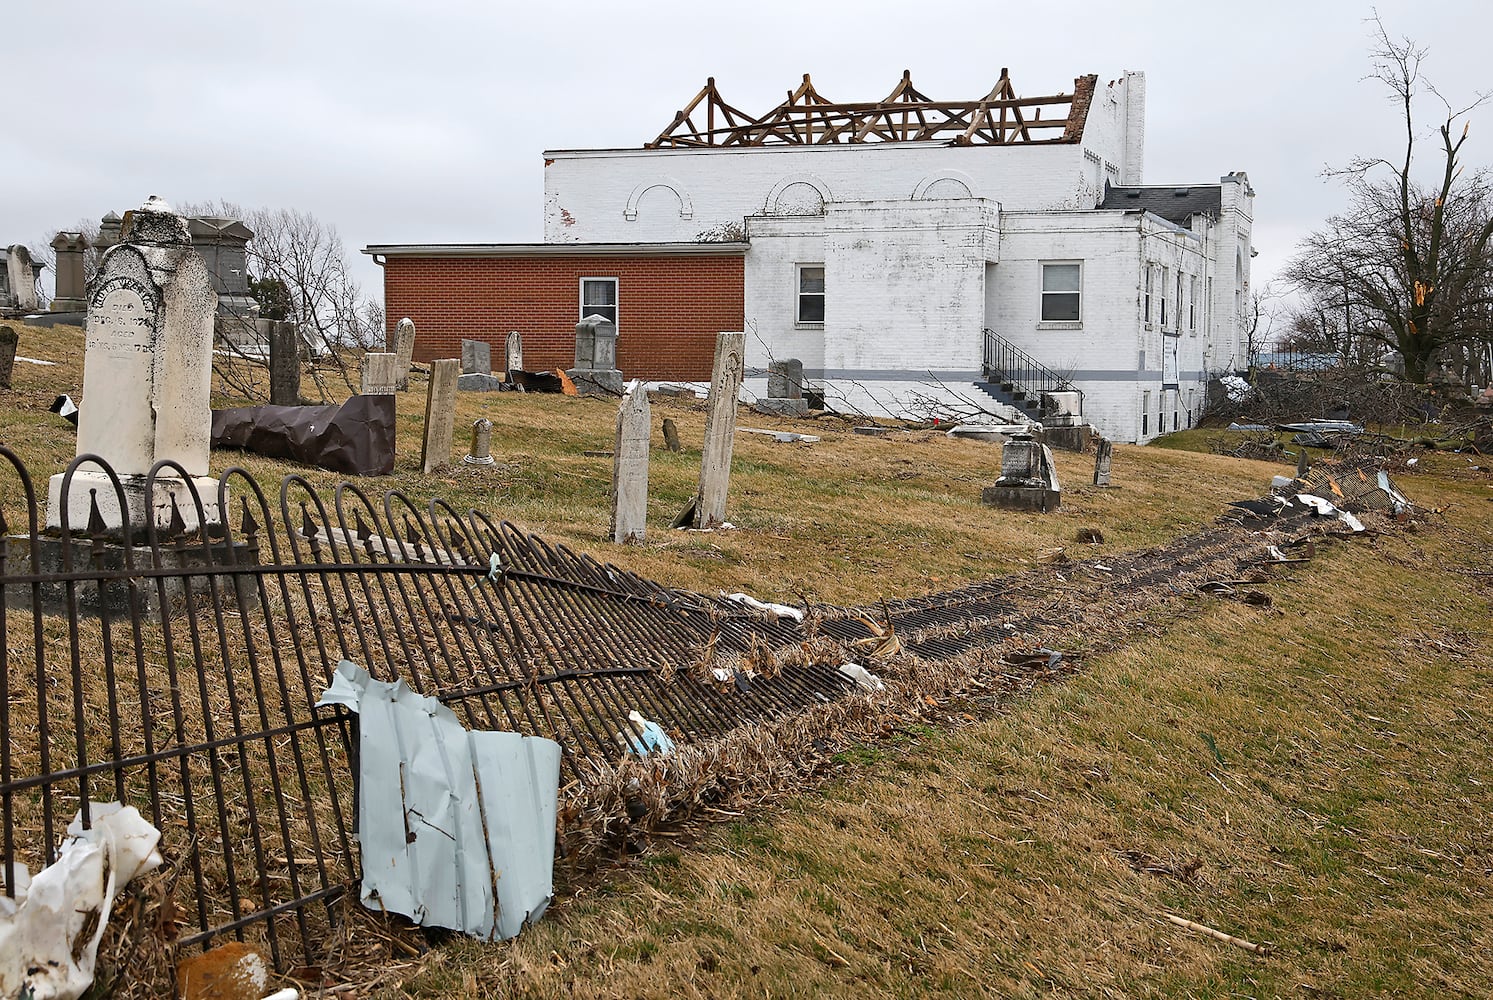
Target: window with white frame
1146, 308
1192, 305
1179, 300
599, 298
810, 309
1062, 291
1166, 274
1145, 413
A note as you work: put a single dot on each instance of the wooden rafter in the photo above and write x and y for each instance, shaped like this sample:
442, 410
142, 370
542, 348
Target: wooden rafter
807, 117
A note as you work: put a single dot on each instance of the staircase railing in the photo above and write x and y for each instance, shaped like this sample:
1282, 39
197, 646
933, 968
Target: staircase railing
1009, 365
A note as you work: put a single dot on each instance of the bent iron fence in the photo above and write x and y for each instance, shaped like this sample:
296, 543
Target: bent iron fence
178, 672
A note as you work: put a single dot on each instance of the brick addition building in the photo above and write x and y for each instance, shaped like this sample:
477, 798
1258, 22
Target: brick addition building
1006, 241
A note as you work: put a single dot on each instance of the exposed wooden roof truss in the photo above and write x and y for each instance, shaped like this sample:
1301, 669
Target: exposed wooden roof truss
807, 117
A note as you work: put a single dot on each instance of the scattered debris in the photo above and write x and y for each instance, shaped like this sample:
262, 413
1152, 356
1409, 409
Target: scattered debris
65, 408
444, 811
646, 737
782, 437
1237, 942
232, 971
777, 610
863, 677
355, 438
50, 931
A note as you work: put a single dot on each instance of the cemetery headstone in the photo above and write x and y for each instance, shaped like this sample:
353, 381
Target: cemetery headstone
1028, 478
147, 376
72, 290
8, 340
630, 466
481, 453
513, 353
285, 362
1103, 452
440, 414
110, 231
404, 347
223, 244
380, 373
19, 277
671, 434
595, 371
785, 394
720, 429
476, 357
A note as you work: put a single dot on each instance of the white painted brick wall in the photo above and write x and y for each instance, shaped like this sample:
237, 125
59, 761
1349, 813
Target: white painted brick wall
588, 193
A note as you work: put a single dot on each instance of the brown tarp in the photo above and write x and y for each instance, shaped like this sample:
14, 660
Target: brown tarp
355, 439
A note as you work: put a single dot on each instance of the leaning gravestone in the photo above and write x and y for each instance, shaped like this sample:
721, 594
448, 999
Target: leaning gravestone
595, 371
630, 466
513, 353
380, 373
404, 348
440, 414
720, 430
1103, 453
147, 376
8, 340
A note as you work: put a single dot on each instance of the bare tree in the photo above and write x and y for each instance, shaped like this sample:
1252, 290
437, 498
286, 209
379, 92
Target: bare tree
1409, 261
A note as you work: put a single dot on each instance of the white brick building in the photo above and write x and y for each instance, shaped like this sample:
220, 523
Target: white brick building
885, 241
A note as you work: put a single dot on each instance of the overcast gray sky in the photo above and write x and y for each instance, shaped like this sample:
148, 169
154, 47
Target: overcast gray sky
401, 121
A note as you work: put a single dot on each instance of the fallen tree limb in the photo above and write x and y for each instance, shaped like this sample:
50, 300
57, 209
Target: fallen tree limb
1258, 949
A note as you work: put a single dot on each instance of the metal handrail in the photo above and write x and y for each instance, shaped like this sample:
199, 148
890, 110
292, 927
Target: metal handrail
1006, 363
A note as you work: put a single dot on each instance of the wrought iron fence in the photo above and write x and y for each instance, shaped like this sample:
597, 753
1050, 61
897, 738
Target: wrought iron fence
178, 671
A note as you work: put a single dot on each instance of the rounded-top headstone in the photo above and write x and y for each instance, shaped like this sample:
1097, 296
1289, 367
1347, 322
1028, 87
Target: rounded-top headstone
155, 224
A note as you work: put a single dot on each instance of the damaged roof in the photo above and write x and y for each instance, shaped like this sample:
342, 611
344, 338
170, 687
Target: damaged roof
807, 117
1173, 203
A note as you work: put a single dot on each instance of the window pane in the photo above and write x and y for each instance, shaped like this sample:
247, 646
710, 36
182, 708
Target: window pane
599, 293
811, 308
811, 279
1060, 306
1060, 277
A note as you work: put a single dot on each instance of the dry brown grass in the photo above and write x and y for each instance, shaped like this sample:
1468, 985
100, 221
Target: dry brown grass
1309, 776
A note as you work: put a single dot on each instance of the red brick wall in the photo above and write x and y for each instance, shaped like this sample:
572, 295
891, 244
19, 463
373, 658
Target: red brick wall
669, 308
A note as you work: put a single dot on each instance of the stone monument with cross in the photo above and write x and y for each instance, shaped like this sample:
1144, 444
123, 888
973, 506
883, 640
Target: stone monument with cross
147, 376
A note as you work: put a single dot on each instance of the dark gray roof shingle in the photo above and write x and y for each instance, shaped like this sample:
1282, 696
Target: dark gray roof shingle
1172, 203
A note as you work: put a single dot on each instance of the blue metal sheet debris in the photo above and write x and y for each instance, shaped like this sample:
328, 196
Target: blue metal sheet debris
457, 828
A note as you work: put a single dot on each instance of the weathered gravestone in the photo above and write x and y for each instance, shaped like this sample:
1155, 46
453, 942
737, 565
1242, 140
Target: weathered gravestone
1028, 478
785, 394
1103, 452
595, 371
440, 414
513, 353
72, 290
147, 376
380, 373
481, 453
404, 348
476, 368
285, 362
8, 340
18, 280
720, 430
630, 466
476, 357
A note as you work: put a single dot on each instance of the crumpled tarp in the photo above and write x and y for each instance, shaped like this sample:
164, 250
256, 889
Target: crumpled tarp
355, 439
49, 934
457, 827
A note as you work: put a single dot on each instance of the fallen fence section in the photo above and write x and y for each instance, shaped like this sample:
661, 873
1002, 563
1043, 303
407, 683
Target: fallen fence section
179, 672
